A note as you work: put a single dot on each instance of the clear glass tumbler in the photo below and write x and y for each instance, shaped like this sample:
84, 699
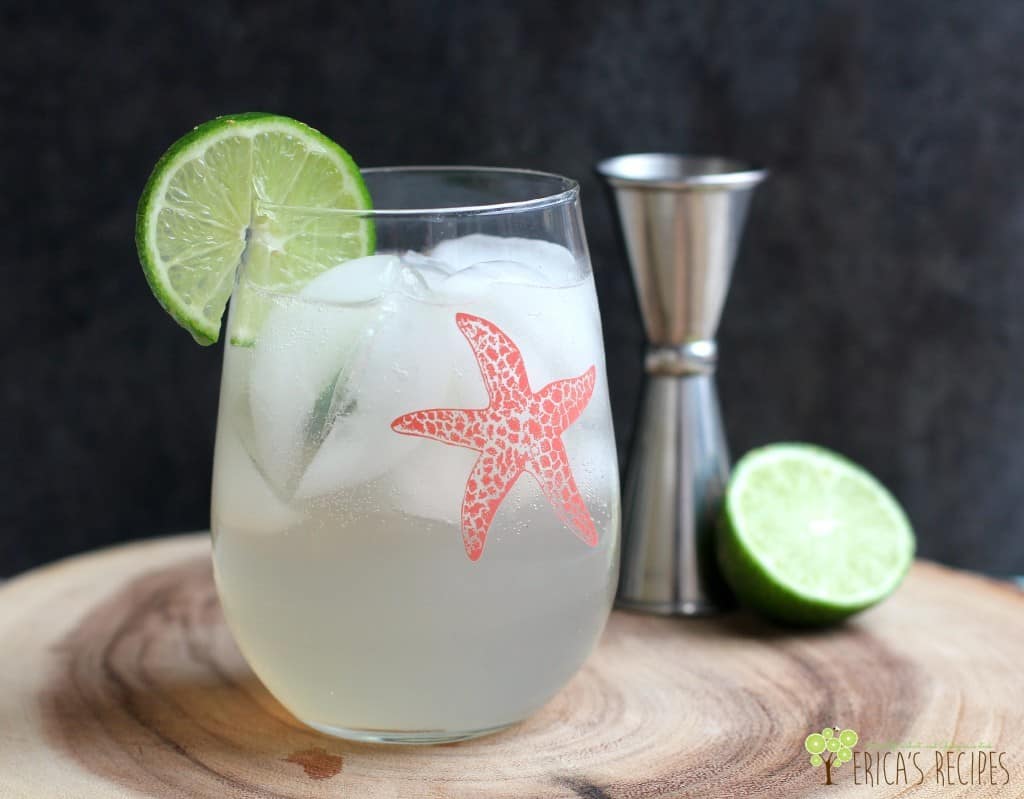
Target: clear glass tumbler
415, 492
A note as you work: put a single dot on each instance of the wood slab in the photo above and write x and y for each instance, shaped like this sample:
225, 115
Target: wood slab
120, 679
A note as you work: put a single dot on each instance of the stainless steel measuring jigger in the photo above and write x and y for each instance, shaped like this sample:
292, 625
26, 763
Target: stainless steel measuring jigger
681, 219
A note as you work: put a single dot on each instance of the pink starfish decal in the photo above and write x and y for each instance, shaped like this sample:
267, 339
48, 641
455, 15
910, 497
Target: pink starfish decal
519, 431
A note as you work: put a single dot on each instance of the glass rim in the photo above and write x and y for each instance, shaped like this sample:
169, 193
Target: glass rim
568, 191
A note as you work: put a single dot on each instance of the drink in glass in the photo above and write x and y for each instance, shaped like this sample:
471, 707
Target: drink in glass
415, 498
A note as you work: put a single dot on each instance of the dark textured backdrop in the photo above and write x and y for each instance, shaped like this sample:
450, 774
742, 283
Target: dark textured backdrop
877, 301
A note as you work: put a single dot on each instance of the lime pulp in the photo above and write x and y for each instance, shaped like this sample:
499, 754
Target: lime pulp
807, 537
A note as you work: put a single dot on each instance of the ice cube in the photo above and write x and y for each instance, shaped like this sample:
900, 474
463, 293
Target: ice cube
555, 325
544, 299
476, 280
557, 330
358, 280
431, 482
335, 365
373, 277
552, 260
430, 269
242, 498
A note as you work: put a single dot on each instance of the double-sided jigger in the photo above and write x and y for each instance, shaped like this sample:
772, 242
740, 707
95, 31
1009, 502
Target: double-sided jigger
681, 219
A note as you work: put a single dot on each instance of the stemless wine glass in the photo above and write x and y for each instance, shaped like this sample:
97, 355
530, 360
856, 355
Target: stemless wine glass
415, 492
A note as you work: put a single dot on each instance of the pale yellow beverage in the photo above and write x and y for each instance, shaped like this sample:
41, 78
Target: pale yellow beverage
375, 575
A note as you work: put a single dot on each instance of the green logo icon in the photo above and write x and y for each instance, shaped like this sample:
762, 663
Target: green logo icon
830, 748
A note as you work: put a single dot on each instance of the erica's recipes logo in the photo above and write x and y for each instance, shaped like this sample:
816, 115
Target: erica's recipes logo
945, 763
830, 748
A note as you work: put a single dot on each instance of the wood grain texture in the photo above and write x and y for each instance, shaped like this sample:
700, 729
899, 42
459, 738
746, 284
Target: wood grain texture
120, 680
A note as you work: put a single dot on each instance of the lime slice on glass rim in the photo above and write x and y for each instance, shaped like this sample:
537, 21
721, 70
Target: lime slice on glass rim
808, 537
245, 190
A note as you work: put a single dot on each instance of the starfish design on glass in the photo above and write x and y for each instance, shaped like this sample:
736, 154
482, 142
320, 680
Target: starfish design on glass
519, 431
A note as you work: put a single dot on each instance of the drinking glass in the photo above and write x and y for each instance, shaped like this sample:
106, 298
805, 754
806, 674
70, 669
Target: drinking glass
415, 493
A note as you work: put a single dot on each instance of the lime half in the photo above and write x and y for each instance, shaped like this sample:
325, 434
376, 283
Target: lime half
248, 189
808, 537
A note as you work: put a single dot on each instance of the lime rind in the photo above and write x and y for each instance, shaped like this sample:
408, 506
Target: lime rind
777, 562
198, 219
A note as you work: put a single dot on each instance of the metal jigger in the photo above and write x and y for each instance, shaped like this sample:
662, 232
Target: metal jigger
681, 220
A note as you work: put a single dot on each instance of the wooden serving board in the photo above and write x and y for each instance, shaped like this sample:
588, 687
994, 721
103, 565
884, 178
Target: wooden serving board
119, 679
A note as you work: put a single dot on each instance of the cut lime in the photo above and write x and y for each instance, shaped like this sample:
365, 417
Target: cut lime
808, 537
246, 189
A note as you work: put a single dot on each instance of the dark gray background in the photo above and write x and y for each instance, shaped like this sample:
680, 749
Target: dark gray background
876, 307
